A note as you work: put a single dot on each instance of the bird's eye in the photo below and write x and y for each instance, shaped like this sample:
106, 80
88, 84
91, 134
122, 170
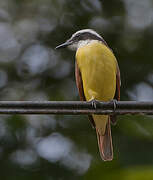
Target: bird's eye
77, 35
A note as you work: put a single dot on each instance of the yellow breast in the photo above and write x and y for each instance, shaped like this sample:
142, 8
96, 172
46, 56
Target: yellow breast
97, 65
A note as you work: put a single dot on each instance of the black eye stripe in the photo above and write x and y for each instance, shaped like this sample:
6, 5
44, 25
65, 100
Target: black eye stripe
87, 35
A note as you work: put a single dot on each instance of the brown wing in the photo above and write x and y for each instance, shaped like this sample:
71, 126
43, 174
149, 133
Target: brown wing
79, 84
117, 93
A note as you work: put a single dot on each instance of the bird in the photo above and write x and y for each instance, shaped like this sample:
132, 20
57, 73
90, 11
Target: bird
98, 79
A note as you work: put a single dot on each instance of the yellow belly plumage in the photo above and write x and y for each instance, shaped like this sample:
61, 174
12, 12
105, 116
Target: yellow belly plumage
98, 68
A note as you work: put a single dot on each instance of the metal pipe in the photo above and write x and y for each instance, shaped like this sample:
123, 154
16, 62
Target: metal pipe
76, 107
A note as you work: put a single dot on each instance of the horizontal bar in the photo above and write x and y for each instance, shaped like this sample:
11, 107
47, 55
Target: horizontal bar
76, 107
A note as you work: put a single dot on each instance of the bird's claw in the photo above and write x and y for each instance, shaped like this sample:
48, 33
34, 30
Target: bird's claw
94, 103
114, 101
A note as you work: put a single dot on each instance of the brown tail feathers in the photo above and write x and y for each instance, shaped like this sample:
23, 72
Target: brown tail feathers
105, 143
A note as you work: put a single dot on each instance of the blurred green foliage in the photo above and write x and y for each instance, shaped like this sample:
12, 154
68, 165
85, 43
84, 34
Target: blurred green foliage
65, 147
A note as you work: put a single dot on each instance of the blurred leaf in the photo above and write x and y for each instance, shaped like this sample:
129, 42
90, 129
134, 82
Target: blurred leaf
137, 125
134, 173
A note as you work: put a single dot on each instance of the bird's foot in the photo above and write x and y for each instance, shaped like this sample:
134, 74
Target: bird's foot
114, 101
94, 103
113, 117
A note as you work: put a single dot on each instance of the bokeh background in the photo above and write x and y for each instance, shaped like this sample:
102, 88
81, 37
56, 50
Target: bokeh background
49, 147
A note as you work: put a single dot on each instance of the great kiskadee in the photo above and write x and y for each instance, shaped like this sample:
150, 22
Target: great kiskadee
98, 79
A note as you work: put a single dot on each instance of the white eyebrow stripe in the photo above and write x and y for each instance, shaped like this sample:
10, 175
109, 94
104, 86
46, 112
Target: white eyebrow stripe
87, 30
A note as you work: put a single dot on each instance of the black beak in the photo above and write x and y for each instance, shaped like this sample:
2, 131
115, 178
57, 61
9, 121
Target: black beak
67, 43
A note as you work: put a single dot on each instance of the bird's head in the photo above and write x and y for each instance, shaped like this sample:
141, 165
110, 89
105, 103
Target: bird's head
81, 38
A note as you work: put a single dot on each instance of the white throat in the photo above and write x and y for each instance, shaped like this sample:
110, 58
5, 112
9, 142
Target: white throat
80, 44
